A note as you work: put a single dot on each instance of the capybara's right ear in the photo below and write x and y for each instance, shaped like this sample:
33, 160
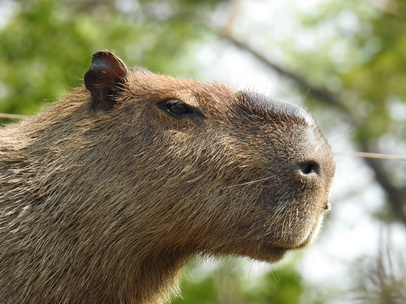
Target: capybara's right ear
104, 79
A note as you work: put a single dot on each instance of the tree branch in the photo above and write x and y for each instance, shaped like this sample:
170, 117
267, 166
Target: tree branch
396, 196
12, 116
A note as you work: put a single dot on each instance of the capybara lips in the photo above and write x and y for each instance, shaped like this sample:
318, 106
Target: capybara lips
272, 253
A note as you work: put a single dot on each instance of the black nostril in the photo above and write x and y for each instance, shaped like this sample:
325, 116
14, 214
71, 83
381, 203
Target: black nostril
309, 167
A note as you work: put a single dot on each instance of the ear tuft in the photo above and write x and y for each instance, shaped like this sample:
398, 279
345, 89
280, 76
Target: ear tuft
104, 79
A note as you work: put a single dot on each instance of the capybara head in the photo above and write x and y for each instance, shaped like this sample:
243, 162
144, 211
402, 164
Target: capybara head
113, 188
223, 171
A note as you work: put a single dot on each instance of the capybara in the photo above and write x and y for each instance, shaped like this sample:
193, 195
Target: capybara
105, 195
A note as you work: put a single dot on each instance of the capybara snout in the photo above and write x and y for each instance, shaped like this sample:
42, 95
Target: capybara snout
311, 151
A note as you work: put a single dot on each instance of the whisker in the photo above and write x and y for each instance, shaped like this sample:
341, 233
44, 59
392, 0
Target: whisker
249, 183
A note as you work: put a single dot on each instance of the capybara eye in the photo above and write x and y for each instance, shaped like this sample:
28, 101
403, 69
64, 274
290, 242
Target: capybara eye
178, 109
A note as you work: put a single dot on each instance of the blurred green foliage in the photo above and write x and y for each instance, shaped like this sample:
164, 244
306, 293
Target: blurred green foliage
363, 62
228, 285
46, 47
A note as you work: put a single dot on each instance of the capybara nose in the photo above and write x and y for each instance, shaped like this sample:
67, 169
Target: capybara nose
308, 168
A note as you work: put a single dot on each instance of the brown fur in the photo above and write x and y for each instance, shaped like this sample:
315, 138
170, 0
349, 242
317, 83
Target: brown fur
105, 196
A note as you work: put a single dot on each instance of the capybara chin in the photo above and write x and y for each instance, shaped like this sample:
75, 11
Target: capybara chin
110, 191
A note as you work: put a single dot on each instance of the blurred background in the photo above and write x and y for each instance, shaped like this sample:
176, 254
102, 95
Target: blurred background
344, 61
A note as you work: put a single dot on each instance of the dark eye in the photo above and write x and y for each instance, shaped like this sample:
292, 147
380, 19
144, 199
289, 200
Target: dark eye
178, 109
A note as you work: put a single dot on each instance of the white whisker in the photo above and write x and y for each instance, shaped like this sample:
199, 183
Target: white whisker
250, 182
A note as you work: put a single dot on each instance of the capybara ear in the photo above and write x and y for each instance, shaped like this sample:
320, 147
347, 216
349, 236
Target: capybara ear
104, 79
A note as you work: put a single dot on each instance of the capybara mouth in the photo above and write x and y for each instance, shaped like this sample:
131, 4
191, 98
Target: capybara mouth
271, 253
275, 252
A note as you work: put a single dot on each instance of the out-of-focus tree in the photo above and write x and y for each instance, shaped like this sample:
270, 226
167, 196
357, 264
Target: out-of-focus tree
47, 44
227, 285
384, 282
354, 74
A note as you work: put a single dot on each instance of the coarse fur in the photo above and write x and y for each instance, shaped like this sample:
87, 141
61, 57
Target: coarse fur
110, 191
